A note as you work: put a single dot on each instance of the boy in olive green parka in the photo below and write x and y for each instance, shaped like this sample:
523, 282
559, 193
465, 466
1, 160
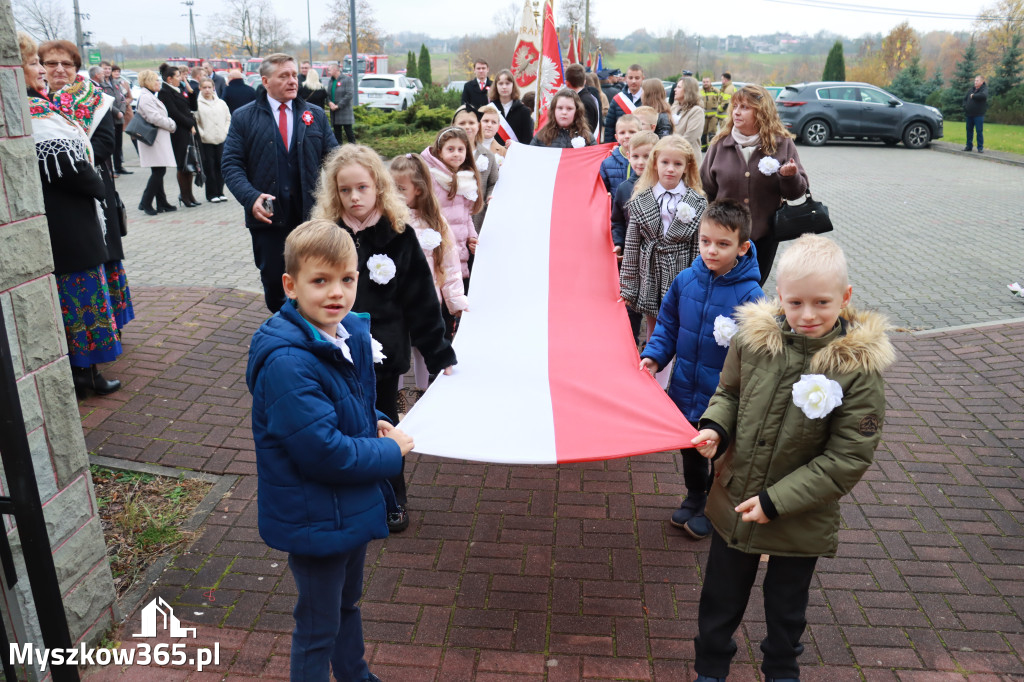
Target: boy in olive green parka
793, 426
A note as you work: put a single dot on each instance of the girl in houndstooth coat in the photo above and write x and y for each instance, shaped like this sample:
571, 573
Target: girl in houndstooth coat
664, 217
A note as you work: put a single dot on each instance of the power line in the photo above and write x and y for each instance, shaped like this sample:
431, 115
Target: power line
869, 9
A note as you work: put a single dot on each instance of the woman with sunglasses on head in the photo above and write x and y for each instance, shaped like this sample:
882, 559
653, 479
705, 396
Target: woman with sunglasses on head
753, 160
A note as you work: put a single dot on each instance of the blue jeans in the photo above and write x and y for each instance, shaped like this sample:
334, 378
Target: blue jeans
328, 627
976, 123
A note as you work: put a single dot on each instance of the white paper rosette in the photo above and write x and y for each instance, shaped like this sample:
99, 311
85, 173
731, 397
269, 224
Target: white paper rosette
429, 239
1016, 288
578, 142
769, 165
725, 329
377, 348
382, 269
482, 163
685, 213
817, 395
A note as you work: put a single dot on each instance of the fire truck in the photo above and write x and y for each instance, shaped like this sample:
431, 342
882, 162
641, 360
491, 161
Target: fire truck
368, 63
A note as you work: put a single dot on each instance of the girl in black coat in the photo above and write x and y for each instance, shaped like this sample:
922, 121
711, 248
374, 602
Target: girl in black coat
179, 110
395, 285
505, 96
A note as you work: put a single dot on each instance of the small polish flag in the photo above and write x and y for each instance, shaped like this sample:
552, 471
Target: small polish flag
505, 132
551, 360
625, 102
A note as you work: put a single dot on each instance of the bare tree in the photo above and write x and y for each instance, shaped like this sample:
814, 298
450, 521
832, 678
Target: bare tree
506, 19
43, 19
248, 26
572, 12
369, 36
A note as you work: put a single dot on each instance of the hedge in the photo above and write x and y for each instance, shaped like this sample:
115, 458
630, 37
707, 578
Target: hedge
391, 133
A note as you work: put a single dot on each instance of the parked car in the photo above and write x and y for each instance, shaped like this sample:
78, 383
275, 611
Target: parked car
386, 91
455, 86
817, 112
133, 81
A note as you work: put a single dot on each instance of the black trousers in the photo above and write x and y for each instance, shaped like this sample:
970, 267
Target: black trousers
347, 127
268, 253
119, 145
155, 188
211, 167
387, 402
696, 472
729, 577
766, 246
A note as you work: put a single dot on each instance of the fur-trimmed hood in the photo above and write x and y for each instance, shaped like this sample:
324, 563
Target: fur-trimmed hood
863, 346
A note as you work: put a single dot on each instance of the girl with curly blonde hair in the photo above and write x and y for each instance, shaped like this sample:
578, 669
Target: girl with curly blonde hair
395, 285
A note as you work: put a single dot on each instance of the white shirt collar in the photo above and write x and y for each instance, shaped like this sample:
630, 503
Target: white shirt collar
276, 105
658, 190
340, 339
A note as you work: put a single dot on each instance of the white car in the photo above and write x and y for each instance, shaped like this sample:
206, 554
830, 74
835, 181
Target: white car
386, 91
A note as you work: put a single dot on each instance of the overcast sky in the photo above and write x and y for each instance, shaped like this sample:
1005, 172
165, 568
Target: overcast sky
114, 20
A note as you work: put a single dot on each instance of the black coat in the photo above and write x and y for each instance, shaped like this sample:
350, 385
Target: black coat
520, 119
317, 97
238, 94
406, 307
103, 150
592, 108
978, 104
472, 94
614, 112
178, 109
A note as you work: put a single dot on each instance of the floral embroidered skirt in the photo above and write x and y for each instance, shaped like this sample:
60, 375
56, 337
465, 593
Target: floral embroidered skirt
120, 294
89, 317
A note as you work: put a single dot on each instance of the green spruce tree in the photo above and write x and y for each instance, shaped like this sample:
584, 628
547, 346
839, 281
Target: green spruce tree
424, 70
1008, 73
960, 84
835, 64
411, 70
909, 84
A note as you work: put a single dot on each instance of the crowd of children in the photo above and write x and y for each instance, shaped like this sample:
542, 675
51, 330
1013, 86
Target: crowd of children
369, 297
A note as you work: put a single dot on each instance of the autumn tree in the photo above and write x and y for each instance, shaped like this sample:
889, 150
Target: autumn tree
43, 19
1008, 73
996, 26
247, 26
960, 84
899, 48
336, 30
835, 64
870, 66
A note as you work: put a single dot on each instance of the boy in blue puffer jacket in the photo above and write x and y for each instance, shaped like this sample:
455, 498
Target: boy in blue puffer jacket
323, 452
695, 325
615, 168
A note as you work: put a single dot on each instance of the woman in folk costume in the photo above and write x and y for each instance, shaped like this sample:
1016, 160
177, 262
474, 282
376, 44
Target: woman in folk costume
73, 193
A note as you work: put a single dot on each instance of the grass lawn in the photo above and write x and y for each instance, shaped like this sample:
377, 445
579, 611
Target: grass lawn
998, 137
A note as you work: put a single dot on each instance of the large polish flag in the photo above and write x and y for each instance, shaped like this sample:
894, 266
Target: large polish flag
548, 371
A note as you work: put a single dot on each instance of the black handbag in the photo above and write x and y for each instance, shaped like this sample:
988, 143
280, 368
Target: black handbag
194, 164
793, 220
122, 213
141, 130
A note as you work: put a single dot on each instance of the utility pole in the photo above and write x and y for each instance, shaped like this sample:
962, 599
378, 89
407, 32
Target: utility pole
78, 29
309, 29
193, 44
586, 32
355, 51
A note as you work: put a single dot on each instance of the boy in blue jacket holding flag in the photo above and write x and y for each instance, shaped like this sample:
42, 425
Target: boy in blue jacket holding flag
695, 325
323, 452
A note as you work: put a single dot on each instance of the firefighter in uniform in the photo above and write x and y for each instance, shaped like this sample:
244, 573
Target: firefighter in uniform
728, 90
712, 98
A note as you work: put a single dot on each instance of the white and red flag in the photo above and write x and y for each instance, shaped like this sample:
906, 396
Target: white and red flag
505, 132
526, 54
548, 371
552, 77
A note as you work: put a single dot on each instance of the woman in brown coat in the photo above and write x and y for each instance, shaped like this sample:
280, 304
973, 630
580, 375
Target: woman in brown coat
753, 160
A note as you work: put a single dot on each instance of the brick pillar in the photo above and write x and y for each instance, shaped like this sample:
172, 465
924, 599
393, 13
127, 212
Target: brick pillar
31, 310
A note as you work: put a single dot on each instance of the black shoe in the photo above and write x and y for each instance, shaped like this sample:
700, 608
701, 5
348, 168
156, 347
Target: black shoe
89, 378
187, 204
398, 520
148, 210
163, 206
980, 150
967, 149
690, 507
698, 527
122, 171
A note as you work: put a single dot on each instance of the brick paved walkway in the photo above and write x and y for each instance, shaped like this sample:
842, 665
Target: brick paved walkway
572, 572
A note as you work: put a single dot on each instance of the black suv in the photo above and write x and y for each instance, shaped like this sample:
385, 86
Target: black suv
816, 112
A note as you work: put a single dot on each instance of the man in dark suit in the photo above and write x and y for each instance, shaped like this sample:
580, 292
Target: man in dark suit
275, 147
475, 91
218, 80
632, 91
237, 93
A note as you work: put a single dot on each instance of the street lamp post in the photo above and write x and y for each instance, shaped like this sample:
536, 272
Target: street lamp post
355, 52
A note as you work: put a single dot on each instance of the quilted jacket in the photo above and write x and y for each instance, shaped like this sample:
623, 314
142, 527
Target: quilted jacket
318, 457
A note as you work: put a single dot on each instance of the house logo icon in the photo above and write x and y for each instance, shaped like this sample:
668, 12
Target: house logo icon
166, 616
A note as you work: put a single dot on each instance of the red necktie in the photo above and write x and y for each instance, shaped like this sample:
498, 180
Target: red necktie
282, 123
483, 85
